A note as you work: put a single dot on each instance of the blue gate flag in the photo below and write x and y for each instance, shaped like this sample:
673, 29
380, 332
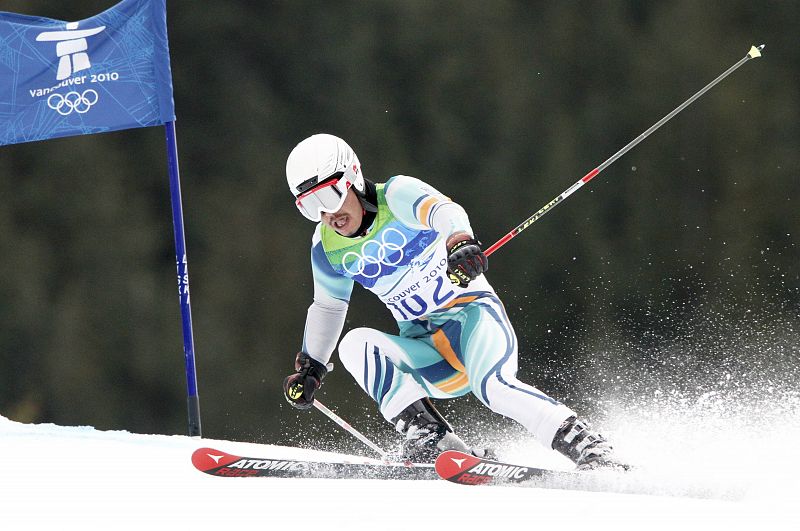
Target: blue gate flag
104, 73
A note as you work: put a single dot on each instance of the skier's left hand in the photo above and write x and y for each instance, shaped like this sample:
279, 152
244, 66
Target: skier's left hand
299, 388
465, 259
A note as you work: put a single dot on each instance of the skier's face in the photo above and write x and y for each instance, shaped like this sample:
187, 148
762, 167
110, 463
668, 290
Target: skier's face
347, 219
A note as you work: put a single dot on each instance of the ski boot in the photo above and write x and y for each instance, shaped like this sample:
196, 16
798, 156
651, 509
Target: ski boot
586, 448
427, 434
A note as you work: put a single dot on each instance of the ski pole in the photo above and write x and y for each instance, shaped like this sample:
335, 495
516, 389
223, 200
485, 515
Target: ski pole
755, 51
354, 432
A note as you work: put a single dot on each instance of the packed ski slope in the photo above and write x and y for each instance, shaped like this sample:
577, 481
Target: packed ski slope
82, 478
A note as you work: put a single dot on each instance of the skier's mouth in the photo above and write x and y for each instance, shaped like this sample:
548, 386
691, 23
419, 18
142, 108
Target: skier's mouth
340, 222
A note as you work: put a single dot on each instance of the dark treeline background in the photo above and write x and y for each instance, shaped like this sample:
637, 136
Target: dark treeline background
678, 255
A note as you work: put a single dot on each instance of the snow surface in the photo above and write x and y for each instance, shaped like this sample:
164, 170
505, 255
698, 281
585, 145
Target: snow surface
56, 477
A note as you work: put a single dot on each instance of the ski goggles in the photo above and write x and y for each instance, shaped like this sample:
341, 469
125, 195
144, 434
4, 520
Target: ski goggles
327, 196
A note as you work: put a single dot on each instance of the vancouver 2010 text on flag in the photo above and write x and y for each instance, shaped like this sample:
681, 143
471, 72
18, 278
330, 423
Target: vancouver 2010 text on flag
104, 73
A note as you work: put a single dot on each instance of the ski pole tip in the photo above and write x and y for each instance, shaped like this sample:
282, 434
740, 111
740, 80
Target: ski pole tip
755, 51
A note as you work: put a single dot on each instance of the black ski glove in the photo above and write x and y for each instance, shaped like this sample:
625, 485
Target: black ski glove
299, 388
465, 259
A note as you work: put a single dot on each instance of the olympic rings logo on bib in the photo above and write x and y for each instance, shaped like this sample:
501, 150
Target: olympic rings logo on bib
370, 262
72, 101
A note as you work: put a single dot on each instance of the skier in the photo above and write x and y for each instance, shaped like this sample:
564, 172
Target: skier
415, 249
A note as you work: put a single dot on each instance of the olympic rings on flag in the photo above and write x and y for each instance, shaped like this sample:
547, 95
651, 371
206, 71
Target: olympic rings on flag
65, 104
374, 253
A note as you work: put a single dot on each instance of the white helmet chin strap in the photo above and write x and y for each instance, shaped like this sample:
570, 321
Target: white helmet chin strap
367, 196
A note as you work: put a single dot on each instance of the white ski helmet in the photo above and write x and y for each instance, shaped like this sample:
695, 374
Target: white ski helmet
319, 171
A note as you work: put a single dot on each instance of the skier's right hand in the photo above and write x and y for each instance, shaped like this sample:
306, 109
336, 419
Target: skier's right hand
299, 388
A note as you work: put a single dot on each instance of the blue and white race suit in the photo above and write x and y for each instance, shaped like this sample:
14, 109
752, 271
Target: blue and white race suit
451, 341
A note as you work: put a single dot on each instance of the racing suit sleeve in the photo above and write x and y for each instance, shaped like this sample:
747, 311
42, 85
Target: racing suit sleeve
419, 205
326, 315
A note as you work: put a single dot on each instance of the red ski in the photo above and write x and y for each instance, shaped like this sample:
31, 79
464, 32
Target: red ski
223, 464
466, 469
